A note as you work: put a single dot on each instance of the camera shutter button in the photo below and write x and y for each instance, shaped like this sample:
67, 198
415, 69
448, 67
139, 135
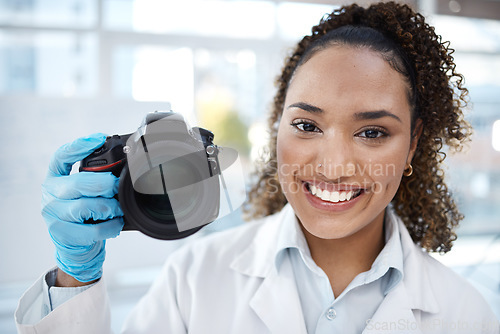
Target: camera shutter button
210, 149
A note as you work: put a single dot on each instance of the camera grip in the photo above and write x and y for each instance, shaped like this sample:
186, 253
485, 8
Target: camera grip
107, 158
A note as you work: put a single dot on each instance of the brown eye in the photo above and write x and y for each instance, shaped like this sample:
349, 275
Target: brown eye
305, 126
373, 134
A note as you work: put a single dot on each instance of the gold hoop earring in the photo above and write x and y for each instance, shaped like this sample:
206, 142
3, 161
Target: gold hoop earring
408, 171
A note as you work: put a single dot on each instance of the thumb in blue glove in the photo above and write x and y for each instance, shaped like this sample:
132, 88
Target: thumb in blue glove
68, 200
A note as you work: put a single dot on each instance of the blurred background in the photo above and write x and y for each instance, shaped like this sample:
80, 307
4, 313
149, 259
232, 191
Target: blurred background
73, 67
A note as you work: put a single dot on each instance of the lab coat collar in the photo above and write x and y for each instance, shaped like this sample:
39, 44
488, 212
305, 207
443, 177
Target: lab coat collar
417, 281
277, 302
396, 313
258, 259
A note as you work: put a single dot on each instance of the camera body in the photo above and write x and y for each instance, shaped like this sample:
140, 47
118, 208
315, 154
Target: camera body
162, 158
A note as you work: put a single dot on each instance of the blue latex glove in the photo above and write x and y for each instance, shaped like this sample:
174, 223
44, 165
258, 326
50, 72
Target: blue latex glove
69, 200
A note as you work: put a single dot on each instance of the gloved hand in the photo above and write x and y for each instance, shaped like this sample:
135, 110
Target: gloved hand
69, 200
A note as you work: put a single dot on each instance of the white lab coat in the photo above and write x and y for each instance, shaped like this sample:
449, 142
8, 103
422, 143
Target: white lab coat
227, 283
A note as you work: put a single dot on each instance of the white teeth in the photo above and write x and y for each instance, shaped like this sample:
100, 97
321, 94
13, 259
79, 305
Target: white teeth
314, 190
325, 196
334, 196
349, 195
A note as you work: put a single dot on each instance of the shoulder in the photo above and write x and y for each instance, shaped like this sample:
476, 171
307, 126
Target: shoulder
450, 297
423, 271
459, 301
447, 282
437, 290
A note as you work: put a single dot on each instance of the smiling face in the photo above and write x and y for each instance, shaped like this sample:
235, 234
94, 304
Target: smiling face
347, 109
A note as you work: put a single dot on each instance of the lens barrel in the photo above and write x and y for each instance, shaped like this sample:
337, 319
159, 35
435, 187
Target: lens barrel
143, 212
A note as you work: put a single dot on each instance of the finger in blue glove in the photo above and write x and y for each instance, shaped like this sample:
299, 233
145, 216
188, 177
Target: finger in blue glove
68, 200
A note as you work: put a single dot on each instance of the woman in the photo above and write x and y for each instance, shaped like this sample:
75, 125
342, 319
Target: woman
351, 192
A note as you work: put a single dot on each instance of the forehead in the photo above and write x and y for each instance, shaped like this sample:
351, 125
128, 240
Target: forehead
351, 77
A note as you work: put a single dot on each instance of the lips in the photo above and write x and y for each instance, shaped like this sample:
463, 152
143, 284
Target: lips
329, 191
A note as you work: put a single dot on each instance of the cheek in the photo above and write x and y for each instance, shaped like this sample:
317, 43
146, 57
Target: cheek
292, 159
287, 165
285, 151
385, 170
282, 154
280, 147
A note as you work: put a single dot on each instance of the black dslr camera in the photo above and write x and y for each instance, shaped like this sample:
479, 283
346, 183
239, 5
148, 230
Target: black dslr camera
167, 188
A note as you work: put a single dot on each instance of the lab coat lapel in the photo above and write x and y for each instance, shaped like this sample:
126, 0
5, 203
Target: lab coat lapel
277, 302
412, 295
394, 315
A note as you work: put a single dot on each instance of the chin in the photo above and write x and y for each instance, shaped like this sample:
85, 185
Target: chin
328, 228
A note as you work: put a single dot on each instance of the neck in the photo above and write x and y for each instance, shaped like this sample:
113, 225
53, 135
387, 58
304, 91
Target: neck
344, 258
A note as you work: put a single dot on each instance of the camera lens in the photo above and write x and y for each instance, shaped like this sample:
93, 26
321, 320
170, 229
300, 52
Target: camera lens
184, 174
158, 207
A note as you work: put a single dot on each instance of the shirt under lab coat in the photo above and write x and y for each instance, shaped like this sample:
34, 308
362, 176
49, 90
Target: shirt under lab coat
228, 283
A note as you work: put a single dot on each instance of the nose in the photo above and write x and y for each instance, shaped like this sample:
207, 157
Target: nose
336, 158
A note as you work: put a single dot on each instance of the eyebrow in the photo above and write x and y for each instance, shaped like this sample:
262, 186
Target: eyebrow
364, 115
306, 106
375, 115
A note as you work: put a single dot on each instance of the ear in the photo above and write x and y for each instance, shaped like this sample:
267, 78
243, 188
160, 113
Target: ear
415, 136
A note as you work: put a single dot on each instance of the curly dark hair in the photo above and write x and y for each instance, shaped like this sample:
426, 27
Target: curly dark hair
438, 98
